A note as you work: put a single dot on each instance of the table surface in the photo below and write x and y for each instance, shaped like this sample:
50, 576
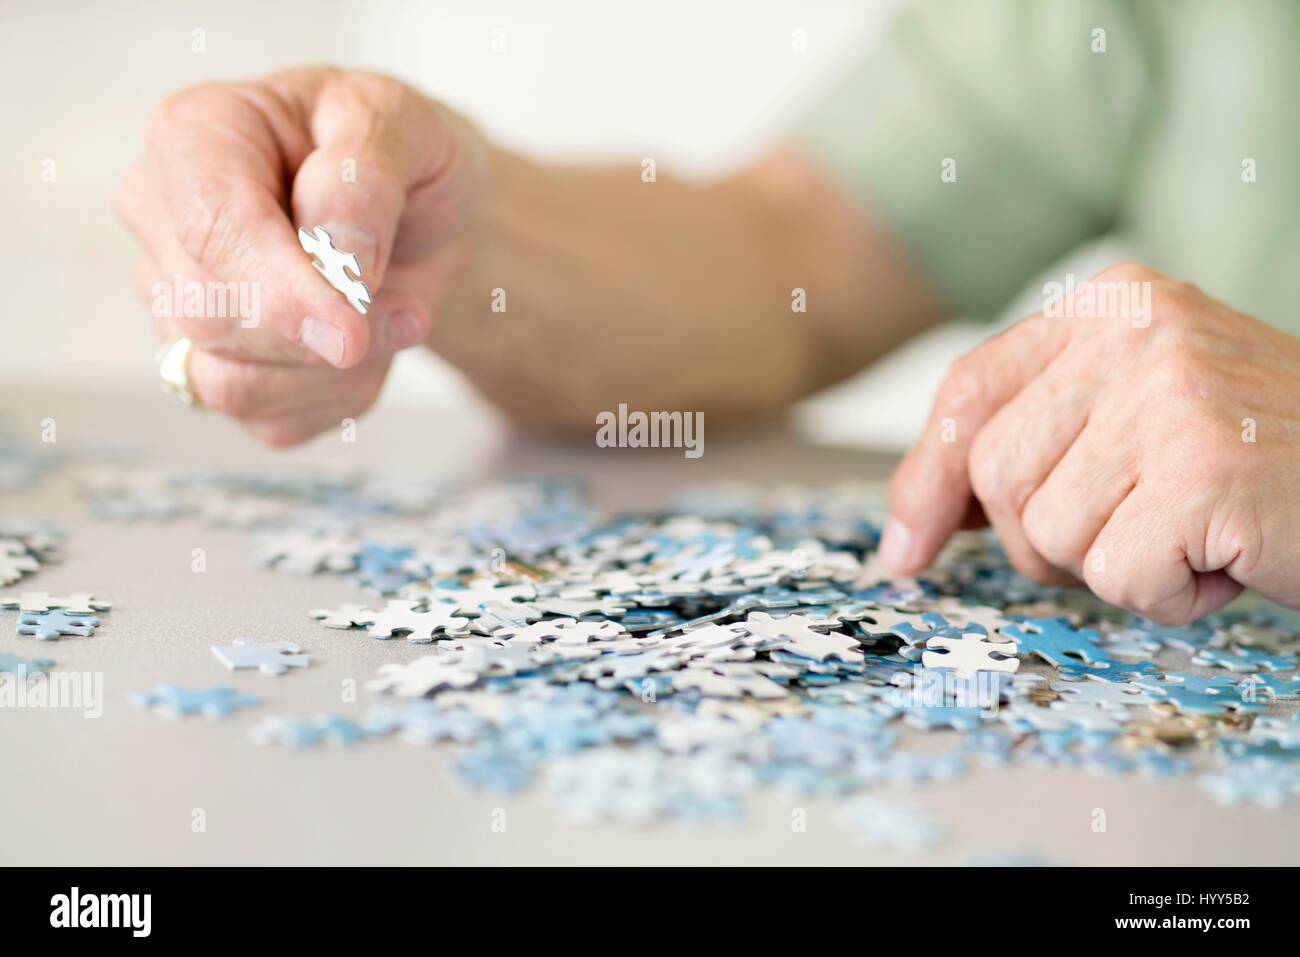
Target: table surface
124, 788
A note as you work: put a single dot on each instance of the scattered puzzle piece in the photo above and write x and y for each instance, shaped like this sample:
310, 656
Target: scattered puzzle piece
345, 616
270, 658
79, 603
310, 732
23, 667
174, 701
50, 625
15, 562
971, 653
420, 624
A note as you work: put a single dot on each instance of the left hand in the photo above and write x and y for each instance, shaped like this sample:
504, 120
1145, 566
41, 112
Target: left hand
1150, 450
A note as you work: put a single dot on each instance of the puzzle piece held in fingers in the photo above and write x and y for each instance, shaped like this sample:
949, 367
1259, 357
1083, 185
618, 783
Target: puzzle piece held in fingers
334, 264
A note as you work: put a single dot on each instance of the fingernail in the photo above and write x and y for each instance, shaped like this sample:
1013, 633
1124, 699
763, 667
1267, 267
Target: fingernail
897, 547
323, 339
401, 331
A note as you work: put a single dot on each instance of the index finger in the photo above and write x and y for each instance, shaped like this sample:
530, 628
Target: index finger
930, 491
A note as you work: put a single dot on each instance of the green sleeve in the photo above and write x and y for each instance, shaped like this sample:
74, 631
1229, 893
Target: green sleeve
1040, 131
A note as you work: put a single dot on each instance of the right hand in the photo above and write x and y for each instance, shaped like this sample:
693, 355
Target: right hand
231, 170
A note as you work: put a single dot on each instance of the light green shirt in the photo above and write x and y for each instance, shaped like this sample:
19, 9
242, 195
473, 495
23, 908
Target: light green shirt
1177, 129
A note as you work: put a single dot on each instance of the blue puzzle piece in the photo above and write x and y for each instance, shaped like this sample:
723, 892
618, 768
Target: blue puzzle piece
498, 770
929, 719
1193, 694
1255, 781
1270, 688
298, 733
1185, 637
1057, 642
177, 702
1243, 659
1114, 671
56, 623
1240, 750
270, 658
12, 664
383, 570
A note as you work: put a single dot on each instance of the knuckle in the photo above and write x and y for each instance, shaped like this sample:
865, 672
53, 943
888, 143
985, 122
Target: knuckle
203, 220
1177, 373
176, 110
963, 385
374, 86
215, 215
1107, 586
1126, 272
1047, 537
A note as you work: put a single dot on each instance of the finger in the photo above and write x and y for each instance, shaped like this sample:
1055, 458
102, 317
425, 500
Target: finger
257, 390
223, 318
383, 154
930, 491
274, 397
1016, 450
1142, 564
1066, 513
221, 157
301, 425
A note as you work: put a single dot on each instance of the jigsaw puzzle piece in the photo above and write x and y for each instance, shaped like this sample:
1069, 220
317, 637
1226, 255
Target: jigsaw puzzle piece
971, 653
54, 624
345, 616
174, 701
270, 658
296, 733
78, 603
23, 667
335, 265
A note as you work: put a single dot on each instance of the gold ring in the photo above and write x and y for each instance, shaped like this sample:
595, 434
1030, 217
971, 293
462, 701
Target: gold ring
174, 370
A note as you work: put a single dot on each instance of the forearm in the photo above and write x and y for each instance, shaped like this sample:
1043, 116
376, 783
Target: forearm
667, 295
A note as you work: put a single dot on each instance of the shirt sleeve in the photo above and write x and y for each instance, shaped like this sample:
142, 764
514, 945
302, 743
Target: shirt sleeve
991, 138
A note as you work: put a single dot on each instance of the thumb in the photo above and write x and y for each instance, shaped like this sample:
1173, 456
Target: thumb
376, 142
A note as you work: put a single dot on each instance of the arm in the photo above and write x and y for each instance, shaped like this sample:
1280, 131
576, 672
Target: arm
663, 295
668, 295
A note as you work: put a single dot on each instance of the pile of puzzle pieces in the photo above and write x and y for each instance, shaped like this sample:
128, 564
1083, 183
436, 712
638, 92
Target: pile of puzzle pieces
669, 665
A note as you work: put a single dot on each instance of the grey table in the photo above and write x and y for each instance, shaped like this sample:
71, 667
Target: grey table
125, 788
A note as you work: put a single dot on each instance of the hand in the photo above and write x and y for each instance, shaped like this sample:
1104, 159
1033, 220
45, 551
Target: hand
1150, 452
232, 170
